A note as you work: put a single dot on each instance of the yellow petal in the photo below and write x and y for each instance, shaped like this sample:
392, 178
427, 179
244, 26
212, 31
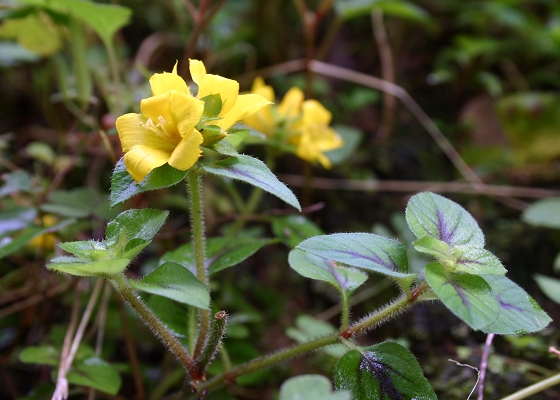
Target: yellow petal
198, 70
132, 132
228, 90
314, 111
262, 121
290, 106
246, 105
164, 82
264, 90
187, 152
141, 160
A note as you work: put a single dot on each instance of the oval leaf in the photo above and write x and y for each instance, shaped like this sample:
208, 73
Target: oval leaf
293, 229
467, 296
477, 261
134, 224
545, 212
384, 371
310, 387
345, 279
308, 328
429, 214
519, 312
363, 250
176, 283
254, 172
123, 187
550, 287
95, 373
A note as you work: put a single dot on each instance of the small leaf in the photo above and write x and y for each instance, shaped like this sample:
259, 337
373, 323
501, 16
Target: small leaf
123, 187
46, 355
17, 181
80, 267
550, 287
429, 214
293, 229
213, 134
88, 250
308, 328
77, 203
212, 105
176, 283
95, 373
345, 279
225, 147
519, 313
434, 247
254, 172
386, 371
474, 260
467, 296
545, 212
134, 224
363, 250
311, 387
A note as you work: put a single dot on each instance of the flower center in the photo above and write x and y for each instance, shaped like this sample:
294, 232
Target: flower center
159, 129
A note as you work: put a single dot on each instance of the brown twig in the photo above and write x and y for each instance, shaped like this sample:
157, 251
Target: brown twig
35, 299
484, 365
471, 367
387, 73
372, 185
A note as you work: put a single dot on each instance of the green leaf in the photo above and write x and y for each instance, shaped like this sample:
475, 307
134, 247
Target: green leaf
308, 328
311, 387
221, 252
80, 267
46, 355
17, 181
77, 203
88, 250
254, 172
467, 296
212, 106
95, 373
176, 283
363, 250
434, 247
174, 315
545, 212
519, 313
429, 214
386, 371
213, 134
348, 9
17, 218
550, 287
224, 147
345, 279
293, 229
477, 261
104, 19
133, 224
123, 187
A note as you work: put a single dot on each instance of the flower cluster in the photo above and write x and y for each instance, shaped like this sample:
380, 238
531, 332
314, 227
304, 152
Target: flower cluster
171, 125
303, 124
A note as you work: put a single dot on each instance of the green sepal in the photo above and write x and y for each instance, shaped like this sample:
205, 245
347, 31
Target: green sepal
383, 371
212, 134
212, 106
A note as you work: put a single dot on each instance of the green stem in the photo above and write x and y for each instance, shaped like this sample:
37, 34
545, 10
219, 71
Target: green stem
401, 304
114, 67
149, 318
534, 389
345, 305
197, 225
217, 332
79, 61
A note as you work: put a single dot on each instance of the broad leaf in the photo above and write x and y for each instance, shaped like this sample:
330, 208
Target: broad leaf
173, 314
221, 252
311, 387
78, 203
545, 212
95, 373
345, 279
363, 250
254, 172
133, 224
429, 214
123, 187
475, 260
47, 355
293, 229
225, 147
80, 267
176, 283
550, 287
519, 312
348, 9
386, 371
308, 328
467, 296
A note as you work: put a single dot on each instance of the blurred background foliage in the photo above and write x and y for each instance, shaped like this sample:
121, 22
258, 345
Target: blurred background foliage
486, 72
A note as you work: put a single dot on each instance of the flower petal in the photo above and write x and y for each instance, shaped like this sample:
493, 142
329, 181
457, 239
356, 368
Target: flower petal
187, 151
164, 82
246, 105
290, 106
314, 111
228, 90
132, 133
265, 91
141, 160
198, 70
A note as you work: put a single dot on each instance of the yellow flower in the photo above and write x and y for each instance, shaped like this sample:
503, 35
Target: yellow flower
316, 135
165, 130
46, 241
271, 120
